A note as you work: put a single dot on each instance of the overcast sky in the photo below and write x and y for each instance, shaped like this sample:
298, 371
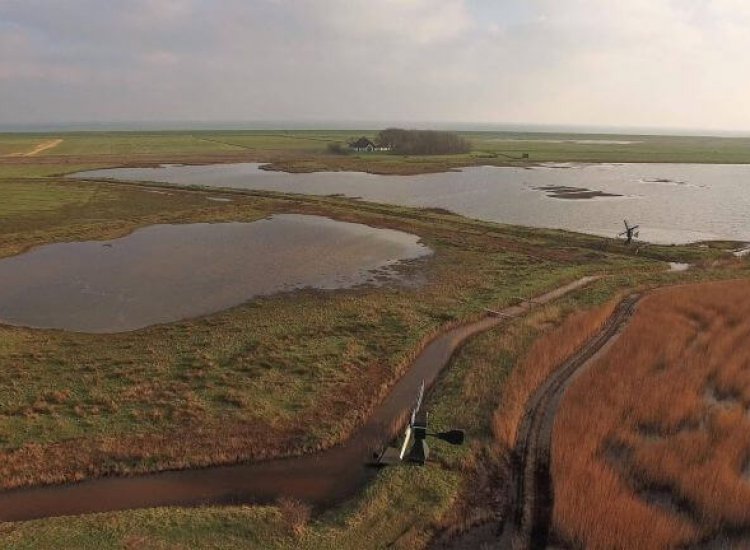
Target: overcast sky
645, 63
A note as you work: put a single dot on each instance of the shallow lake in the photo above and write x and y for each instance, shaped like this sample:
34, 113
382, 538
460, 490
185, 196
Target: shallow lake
673, 203
164, 273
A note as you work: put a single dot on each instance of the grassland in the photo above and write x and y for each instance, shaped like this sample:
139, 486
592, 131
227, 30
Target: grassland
402, 508
652, 443
77, 405
194, 392
306, 151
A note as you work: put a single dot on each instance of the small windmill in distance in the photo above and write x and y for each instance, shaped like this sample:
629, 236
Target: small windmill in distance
631, 231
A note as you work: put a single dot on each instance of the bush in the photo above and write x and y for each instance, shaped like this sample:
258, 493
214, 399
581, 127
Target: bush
337, 148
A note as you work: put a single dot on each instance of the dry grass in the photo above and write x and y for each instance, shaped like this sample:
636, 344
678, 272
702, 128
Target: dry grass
296, 514
650, 444
546, 354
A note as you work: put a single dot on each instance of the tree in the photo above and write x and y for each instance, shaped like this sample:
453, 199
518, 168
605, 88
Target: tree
422, 142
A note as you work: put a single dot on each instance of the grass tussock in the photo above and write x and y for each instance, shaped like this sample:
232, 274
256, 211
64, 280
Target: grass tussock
650, 444
296, 514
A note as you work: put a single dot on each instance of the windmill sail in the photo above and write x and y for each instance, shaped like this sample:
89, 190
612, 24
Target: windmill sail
412, 420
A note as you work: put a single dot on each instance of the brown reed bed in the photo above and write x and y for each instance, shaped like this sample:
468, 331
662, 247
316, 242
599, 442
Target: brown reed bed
650, 443
546, 354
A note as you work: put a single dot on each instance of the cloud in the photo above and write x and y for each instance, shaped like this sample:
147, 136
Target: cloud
423, 22
588, 62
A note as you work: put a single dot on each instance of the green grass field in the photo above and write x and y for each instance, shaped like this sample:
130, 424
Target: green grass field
305, 151
75, 405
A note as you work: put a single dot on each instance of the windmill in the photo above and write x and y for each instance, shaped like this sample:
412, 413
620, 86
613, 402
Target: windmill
631, 231
414, 449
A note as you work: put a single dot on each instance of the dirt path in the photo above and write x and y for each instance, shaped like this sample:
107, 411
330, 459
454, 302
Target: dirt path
530, 517
321, 479
43, 146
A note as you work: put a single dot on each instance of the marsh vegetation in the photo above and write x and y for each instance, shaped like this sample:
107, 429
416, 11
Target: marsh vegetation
237, 385
651, 444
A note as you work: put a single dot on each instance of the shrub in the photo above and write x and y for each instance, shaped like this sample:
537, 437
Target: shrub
337, 148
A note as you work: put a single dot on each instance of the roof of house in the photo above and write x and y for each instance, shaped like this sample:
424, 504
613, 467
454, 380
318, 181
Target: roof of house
361, 143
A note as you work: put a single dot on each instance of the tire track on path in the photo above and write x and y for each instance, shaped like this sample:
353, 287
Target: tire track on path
39, 148
530, 518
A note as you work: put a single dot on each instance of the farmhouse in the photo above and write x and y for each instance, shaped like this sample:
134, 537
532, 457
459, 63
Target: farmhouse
364, 145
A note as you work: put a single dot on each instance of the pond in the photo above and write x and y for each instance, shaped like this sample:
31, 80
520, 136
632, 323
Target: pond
164, 273
673, 203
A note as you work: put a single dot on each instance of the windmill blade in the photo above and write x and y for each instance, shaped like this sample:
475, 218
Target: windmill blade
635, 227
622, 234
405, 445
412, 421
626, 224
420, 396
418, 404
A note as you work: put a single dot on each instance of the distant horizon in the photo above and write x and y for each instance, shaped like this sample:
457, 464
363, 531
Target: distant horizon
351, 125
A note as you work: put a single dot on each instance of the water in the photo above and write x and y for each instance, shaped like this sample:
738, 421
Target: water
673, 203
164, 273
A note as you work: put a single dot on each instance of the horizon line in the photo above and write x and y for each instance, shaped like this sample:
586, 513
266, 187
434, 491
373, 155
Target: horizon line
363, 125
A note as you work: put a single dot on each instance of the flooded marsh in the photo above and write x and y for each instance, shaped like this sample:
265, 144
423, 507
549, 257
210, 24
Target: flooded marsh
673, 203
164, 273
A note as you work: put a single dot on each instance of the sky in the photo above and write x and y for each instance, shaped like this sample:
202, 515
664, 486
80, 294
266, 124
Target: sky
607, 63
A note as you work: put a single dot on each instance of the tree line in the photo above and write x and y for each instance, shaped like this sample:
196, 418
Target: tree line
422, 142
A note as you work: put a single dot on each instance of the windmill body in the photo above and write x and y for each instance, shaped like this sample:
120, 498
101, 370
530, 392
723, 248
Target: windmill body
414, 448
631, 232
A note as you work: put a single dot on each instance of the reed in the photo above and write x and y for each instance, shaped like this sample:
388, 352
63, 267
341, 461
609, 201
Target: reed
650, 443
546, 354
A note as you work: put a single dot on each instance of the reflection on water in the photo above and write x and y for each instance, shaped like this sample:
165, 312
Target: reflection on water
671, 202
164, 273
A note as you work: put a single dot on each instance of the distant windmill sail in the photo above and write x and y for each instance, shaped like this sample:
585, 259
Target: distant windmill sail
630, 232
